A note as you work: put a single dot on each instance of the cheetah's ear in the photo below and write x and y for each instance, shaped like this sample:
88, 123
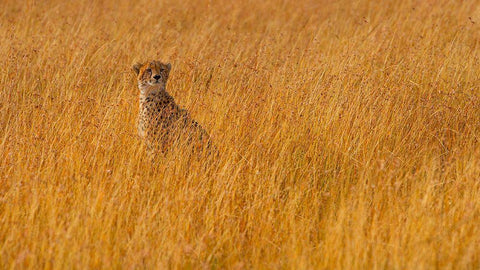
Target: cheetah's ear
137, 67
169, 67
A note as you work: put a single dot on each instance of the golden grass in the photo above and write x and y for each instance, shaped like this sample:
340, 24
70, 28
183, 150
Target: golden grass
348, 133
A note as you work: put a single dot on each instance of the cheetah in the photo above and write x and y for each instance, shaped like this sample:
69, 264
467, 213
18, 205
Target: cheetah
161, 122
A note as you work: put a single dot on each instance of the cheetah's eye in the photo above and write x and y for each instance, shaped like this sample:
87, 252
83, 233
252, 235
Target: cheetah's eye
148, 70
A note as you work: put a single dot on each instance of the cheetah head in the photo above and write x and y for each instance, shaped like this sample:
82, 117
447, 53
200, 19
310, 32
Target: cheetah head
152, 74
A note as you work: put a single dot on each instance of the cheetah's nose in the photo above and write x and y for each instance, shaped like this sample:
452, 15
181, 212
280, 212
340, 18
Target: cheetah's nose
156, 77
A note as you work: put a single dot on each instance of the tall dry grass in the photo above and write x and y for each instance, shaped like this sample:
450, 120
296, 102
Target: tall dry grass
348, 133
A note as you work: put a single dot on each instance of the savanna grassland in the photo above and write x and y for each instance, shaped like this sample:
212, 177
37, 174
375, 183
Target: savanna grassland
348, 134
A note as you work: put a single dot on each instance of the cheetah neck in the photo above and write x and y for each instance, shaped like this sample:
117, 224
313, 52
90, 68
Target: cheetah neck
148, 91
153, 94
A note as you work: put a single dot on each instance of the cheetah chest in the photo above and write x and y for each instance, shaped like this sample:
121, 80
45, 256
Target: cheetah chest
156, 117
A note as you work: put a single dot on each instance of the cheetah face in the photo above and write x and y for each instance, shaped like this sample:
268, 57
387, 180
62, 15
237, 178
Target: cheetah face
153, 74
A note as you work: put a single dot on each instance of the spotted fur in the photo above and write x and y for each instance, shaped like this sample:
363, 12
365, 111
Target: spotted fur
161, 122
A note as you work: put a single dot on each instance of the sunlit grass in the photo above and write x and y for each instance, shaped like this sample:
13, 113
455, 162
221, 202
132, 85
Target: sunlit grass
347, 131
